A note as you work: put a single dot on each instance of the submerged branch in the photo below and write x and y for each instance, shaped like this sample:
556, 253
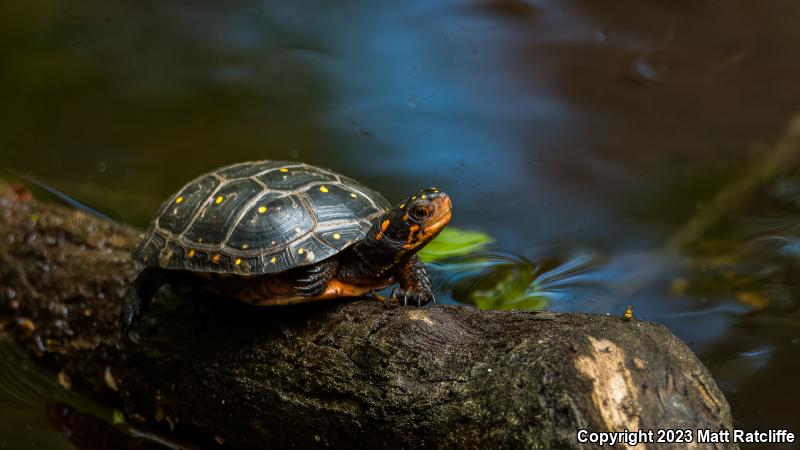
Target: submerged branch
783, 157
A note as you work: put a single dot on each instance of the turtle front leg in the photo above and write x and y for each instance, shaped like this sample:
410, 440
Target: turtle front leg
315, 278
415, 284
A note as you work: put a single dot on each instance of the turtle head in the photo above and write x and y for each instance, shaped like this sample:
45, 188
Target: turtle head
413, 223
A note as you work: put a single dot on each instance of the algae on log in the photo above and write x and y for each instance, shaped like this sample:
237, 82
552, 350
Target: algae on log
337, 374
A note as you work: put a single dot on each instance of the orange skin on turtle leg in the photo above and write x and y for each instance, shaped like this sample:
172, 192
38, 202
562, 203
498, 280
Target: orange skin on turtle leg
334, 289
280, 290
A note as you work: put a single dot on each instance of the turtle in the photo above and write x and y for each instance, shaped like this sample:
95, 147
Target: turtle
280, 232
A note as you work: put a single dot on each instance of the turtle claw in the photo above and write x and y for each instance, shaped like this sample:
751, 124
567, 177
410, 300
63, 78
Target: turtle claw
407, 297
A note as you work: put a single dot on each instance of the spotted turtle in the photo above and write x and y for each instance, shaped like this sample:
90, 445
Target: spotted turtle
278, 232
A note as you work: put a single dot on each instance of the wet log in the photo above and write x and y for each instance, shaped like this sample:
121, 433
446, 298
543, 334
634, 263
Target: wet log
336, 374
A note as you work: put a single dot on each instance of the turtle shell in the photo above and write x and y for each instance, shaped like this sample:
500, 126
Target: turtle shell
259, 217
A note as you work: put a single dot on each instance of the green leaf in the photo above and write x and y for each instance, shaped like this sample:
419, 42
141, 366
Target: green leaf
454, 242
514, 290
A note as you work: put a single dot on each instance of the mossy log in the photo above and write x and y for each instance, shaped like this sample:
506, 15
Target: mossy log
338, 374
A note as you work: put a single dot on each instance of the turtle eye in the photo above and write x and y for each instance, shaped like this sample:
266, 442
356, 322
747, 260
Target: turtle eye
420, 212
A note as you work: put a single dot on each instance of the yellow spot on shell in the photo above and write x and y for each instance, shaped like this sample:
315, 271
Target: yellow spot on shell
179, 199
323, 189
337, 235
218, 200
422, 196
353, 195
216, 258
191, 253
284, 169
402, 205
300, 251
273, 260
414, 197
238, 261
244, 246
262, 210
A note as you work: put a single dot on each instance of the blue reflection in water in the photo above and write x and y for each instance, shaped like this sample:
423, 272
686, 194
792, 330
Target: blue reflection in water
740, 366
571, 280
414, 103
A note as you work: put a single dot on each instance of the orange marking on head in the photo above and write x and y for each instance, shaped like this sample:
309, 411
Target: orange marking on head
384, 226
411, 230
191, 254
216, 258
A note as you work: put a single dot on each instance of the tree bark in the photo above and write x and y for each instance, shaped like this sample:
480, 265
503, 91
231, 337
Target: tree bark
339, 374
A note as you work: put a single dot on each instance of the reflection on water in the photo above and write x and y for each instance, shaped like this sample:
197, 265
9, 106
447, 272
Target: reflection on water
25, 392
578, 136
39, 398
490, 281
502, 280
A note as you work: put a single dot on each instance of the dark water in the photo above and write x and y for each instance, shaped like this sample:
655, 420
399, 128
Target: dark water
581, 137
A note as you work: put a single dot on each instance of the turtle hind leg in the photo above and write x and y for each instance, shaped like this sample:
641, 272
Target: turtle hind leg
137, 299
